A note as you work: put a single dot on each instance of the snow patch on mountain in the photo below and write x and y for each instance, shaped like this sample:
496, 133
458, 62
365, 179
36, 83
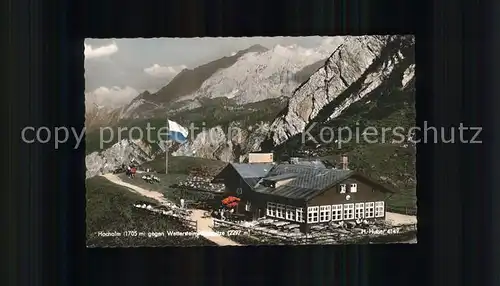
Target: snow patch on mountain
408, 75
129, 109
259, 76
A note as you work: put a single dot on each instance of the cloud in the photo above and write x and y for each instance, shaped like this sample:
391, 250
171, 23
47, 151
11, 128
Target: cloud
111, 97
91, 53
159, 71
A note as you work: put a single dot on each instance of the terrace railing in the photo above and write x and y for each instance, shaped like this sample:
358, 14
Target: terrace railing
402, 210
296, 237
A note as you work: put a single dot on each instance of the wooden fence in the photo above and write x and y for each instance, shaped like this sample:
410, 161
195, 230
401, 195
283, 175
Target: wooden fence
190, 223
219, 223
296, 238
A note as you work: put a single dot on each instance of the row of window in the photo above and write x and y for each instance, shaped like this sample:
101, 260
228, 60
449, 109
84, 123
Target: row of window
285, 212
353, 188
345, 212
328, 212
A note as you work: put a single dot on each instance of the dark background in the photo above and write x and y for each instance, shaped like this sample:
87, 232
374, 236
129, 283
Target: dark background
44, 208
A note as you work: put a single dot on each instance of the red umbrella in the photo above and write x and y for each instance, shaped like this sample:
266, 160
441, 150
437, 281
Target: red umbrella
232, 205
230, 199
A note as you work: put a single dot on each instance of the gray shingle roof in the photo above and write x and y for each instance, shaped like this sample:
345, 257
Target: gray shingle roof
251, 181
309, 181
255, 170
308, 162
280, 177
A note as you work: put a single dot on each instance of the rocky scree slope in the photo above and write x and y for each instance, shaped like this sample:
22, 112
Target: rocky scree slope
353, 70
125, 151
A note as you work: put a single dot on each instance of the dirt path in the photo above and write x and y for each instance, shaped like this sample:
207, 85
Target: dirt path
143, 192
204, 224
205, 228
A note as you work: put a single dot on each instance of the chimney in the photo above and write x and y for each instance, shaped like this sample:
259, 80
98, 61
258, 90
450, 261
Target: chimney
345, 162
260, 158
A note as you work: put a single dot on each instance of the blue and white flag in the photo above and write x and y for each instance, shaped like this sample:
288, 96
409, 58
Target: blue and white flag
176, 132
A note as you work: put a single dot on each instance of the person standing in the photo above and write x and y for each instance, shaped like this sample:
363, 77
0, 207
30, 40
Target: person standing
129, 173
182, 203
133, 170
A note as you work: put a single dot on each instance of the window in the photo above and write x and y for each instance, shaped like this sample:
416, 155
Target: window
325, 213
348, 211
369, 210
359, 211
290, 213
379, 209
354, 188
271, 209
343, 188
312, 214
248, 206
300, 215
336, 212
280, 211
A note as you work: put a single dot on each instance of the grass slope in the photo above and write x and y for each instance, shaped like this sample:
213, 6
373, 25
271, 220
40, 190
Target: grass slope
183, 165
390, 162
109, 208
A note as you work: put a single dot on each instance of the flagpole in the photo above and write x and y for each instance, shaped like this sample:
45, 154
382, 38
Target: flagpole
166, 149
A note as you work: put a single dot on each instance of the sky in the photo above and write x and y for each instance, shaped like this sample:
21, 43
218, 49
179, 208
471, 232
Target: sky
116, 70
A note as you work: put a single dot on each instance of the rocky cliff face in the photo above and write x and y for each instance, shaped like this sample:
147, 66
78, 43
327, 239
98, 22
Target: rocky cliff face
228, 144
356, 72
354, 69
125, 151
231, 144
